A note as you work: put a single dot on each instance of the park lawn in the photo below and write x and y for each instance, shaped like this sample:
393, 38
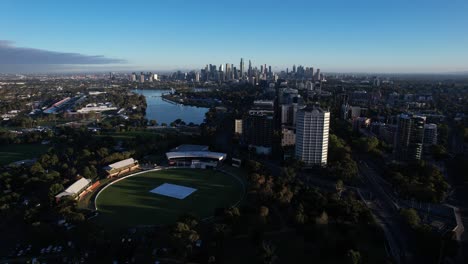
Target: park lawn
129, 202
16, 152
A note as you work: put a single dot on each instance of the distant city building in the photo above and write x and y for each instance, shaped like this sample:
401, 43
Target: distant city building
359, 98
289, 114
133, 78
238, 126
288, 137
312, 131
257, 126
142, 77
430, 135
361, 122
355, 112
150, 77
409, 137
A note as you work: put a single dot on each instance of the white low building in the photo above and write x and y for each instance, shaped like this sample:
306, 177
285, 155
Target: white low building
75, 189
195, 159
122, 166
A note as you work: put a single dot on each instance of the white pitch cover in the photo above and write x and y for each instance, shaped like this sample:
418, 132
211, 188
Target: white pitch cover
174, 191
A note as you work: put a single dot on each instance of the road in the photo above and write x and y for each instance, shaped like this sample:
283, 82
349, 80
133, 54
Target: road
386, 210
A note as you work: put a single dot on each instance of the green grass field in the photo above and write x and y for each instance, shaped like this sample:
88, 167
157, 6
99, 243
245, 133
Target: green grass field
15, 152
130, 203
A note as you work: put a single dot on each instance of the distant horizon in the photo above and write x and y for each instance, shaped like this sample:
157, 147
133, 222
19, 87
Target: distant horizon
169, 71
361, 36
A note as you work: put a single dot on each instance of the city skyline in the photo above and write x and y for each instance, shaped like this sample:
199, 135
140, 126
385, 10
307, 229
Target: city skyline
362, 36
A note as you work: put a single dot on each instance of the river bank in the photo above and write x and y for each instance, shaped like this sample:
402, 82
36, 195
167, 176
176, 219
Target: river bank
177, 99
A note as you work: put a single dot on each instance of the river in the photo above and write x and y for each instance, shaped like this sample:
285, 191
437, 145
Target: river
165, 112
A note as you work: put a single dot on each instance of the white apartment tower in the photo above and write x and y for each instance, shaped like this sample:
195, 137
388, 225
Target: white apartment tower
312, 127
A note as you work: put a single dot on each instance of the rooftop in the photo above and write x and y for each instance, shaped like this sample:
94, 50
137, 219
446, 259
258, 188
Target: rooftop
196, 154
121, 164
75, 188
188, 147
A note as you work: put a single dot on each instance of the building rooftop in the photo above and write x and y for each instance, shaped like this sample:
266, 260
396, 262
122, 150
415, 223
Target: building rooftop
121, 164
196, 154
188, 147
311, 108
75, 188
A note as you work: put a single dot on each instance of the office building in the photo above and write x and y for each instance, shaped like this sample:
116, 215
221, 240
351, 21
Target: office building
238, 126
150, 77
409, 137
312, 129
288, 137
430, 135
257, 127
242, 69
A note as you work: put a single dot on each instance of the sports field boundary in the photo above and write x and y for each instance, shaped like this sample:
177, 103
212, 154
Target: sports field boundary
120, 179
240, 181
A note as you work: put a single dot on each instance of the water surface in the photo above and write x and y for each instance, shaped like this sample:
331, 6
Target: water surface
165, 112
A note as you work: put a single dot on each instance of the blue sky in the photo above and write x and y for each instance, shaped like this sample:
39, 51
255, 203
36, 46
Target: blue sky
336, 36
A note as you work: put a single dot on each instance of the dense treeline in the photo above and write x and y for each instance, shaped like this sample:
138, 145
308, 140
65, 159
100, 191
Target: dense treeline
421, 181
74, 153
8, 137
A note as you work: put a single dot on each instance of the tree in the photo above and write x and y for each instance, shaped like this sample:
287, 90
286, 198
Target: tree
183, 231
36, 169
340, 187
284, 195
438, 152
232, 214
54, 189
323, 219
89, 172
263, 212
353, 257
268, 253
411, 217
300, 217
289, 173
345, 169
367, 144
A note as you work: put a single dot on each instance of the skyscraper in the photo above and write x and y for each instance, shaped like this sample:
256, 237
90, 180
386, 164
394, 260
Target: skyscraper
430, 136
312, 128
317, 75
242, 70
257, 126
409, 137
142, 77
150, 77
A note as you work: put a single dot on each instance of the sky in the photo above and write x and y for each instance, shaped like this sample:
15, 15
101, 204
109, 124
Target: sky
387, 36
